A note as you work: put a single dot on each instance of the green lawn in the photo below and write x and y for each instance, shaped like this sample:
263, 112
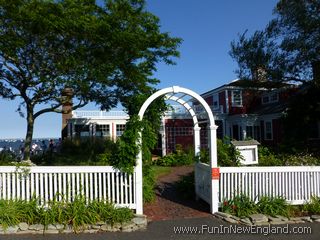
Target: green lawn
161, 171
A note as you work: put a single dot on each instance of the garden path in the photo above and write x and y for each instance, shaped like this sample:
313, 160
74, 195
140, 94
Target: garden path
170, 204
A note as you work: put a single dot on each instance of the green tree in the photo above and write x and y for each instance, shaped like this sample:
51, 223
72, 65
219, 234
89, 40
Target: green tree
297, 23
105, 54
288, 49
257, 57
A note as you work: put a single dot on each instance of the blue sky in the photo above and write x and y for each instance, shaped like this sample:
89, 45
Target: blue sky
206, 26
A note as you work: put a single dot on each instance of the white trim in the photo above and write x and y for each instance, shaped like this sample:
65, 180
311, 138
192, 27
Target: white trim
269, 95
233, 104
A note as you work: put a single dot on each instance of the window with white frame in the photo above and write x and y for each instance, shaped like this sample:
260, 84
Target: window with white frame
268, 130
104, 129
270, 98
120, 129
215, 99
237, 98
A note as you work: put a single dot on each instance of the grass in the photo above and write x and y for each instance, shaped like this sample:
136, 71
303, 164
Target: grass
160, 171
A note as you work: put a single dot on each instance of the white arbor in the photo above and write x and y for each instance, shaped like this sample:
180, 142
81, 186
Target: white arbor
172, 93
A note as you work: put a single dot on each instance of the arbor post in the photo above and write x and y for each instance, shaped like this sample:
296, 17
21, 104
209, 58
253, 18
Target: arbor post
214, 164
196, 140
139, 179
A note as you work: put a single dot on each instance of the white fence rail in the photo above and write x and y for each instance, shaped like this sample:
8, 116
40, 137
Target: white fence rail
47, 183
297, 184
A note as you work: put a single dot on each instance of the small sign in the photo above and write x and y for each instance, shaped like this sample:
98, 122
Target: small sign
215, 173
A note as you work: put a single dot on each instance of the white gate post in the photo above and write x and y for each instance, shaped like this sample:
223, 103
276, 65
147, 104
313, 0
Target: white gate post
214, 164
196, 140
139, 179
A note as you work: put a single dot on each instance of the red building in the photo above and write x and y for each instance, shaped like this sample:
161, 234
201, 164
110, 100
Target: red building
243, 109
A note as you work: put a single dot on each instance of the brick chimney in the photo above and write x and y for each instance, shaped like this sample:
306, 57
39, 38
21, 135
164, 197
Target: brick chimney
67, 94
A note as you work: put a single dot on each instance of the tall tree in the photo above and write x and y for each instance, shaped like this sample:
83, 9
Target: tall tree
102, 52
297, 22
257, 57
288, 49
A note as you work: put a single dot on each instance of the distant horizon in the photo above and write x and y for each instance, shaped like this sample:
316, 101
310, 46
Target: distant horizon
36, 138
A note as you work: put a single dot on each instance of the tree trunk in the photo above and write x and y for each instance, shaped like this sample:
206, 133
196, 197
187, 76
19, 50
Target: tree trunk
29, 135
316, 72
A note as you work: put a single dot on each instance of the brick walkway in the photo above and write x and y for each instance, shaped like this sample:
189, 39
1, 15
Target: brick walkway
169, 204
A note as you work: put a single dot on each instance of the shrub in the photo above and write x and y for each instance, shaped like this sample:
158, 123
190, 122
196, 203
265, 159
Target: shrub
240, 206
268, 157
227, 154
149, 184
313, 206
300, 159
179, 158
88, 151
7, 157
273, 206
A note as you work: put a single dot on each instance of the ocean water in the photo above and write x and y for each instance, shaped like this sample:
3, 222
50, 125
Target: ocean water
16, 144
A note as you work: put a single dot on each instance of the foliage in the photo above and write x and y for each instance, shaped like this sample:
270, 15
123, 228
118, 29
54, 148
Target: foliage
177, 158
313, 206
267, 157
256, 57
302, 115
227, 154
127, 146
76, 213
240, 206
288, 49
86, 151
297, 23
149, 183
300, 159
273, 206
186, 187
7, 157
107, 53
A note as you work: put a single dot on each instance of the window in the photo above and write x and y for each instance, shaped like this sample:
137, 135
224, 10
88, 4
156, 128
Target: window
82, 130
268, 130
274, 97
236, 98
103, 130
257, 132
249, 130
270, 98
120, 129
215, 98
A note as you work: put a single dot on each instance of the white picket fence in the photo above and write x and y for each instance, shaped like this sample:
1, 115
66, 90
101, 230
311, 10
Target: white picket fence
297, 184
48, 183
